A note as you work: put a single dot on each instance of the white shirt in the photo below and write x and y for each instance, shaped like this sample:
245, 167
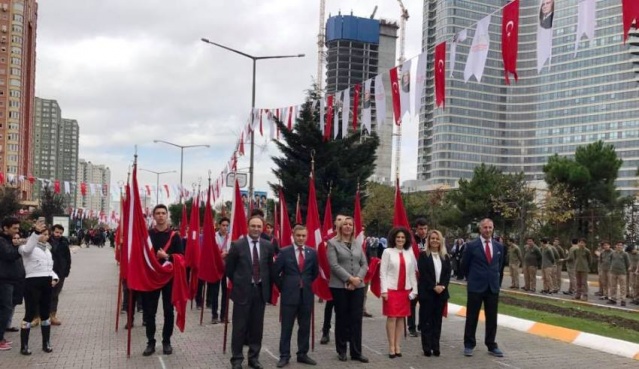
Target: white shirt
437, 262
222, 241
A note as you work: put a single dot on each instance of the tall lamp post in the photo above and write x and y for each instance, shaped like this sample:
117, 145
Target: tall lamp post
181, 147
254, 59
157, 182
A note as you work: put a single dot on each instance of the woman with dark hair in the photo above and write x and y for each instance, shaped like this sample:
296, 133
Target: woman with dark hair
348, 269
40, 278
398, 286
434, 275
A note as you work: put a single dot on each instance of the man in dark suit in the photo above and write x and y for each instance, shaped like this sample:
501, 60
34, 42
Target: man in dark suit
482, 262
249, 266
296, 268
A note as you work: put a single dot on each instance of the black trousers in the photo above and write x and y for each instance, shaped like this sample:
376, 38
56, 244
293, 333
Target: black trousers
348, 320
56, 293
215, 292
431, 307
411, 319
150, 302
37, 298
328, 315
6, 305
248, 325
475, 300
289, 313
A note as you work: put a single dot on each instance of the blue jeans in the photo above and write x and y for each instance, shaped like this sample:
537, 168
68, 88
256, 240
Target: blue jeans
6, 305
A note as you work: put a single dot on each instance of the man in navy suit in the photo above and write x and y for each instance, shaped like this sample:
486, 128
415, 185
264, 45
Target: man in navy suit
296, 267
482, 262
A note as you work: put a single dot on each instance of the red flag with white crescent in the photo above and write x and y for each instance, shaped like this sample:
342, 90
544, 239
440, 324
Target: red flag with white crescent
440, 74
211, 268
320, 285
357, 219
328, 219
400, 219
397, 105
239, 227
284, 222
192, 256
630, 15
510, 39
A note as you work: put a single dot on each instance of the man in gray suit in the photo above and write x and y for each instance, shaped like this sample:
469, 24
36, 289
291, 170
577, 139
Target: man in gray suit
296, 268
249, 266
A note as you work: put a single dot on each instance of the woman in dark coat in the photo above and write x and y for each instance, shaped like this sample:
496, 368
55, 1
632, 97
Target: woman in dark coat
434, 268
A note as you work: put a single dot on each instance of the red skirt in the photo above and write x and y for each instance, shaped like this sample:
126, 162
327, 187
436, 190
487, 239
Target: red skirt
397, 305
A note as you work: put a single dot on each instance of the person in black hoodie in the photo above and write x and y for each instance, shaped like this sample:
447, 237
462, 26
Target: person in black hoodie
11, 272
61, 266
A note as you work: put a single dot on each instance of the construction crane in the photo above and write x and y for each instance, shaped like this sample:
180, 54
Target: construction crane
402, 57
321, 36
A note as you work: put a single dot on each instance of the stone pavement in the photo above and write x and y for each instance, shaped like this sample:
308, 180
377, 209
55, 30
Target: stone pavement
87, 337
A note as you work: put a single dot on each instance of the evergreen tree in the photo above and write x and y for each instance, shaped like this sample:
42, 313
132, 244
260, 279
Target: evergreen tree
339, 164
51, 204
9, 201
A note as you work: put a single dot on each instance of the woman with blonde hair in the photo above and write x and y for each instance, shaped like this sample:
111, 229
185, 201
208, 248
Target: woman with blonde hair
434, 268
348, 269
398, 286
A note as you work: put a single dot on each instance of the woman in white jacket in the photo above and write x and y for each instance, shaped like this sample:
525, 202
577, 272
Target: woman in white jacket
398, 285
40, 278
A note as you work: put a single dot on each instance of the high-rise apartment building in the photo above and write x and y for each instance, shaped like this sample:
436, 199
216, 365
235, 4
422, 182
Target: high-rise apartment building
579, 97
18, 21
98, 181
359, 49
55, 146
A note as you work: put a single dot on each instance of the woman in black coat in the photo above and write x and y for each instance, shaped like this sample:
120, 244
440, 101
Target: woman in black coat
434, 268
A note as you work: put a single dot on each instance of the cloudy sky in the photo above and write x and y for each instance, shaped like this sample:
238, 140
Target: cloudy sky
134, 71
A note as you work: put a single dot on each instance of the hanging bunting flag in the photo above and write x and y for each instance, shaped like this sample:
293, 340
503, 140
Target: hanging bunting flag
336, 110
270, 118
458, 38
380, 101
290, 115
366, 108
397, 108
405, 88
240, 146
322, 108
440, 74
357, 91
56, 186
83, 188
346, 111
420, 80
630, 16
544, 33
478, 51
67, 187
586, 21
510, 39
166, 188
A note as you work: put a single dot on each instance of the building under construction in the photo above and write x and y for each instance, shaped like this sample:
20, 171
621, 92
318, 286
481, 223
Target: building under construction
359, 49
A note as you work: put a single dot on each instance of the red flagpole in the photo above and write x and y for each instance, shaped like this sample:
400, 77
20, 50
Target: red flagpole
203, 302
226, 321
119, 301
129, 322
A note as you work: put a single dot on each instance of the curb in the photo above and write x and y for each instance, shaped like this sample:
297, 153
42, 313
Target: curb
592, 341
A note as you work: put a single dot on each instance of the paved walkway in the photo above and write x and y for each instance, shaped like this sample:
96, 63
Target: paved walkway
87, 338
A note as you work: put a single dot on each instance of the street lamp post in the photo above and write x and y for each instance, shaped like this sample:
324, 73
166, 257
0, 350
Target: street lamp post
254, 59
157, 182
181, 147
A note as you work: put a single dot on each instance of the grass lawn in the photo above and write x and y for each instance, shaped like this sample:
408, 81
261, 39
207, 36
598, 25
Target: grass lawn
458, 296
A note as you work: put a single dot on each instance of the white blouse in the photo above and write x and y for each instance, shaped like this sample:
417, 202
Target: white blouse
389, 270
437, 262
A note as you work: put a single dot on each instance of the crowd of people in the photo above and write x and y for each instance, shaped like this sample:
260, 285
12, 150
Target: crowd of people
32, 270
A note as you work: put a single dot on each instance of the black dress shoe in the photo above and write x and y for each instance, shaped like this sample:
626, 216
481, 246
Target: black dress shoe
304, 359
236, 366
399, 354
362, 358
167, 349
392, 356
324, 339
428, 353
413, 333
13, 329
436, 353
342, 357
255, 364
282, 363
149, 350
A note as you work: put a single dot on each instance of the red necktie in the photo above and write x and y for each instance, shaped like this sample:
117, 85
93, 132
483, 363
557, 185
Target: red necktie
300, 258
489, 257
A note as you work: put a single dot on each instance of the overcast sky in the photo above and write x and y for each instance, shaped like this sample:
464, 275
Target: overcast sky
134, 71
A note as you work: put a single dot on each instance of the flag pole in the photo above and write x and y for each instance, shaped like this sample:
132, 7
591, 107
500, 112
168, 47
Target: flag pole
204, 289
129, 317
313, 307
203, 299
118, 302
226, 319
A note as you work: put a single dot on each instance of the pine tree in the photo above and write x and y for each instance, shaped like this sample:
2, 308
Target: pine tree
339, 164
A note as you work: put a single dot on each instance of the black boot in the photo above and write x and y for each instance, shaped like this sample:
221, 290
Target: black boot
46, 338
24, 341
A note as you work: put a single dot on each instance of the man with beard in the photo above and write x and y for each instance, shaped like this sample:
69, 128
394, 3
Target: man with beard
61, 266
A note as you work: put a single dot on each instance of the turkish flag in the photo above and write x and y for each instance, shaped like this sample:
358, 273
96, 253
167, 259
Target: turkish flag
211, 267
56, 186
320, 285
400, 219
357, 219
328, 219
329, 117
630, 15
510, 39
239, 227
373, 277
285, 233
440, 75
192, 254
358, 89
83, 189
240, 145
397, 105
